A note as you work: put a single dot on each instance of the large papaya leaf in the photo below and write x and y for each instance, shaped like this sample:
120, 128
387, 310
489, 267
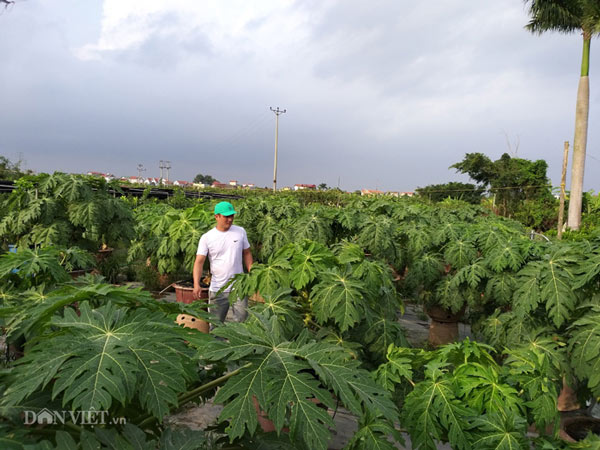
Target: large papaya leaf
374, 434
308, 258
556, 288
536, 369
286, 379
500, 432
338, 297
460, 253
265, 279
584, 346
480, 388
106, 355
527, 296
432, 411
501, 287
504, 255
471, 274
314, 226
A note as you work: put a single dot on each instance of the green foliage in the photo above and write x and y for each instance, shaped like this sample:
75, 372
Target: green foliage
105, 355
65, 210
584, 346
461, 395
41, 267
10, 170
286, 377
27, 268
511, 180
204, 179
462, 191
169, 237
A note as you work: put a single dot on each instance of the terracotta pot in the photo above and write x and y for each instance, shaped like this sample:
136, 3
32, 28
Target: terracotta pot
575, 428
443, 328
185, 294
103, 254
440, 314
441, 333
267, 424
78, 273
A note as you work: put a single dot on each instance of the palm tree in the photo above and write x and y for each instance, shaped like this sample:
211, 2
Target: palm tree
569, 16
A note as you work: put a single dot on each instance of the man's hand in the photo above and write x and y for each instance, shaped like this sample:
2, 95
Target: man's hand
198, 265
197, 291
247, 258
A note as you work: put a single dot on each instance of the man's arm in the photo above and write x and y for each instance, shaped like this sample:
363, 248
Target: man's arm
198, 266
247, 257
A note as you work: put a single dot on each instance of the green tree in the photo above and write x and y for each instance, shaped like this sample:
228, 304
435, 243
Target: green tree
572, 16
467, 192
10, 170
511, 180
204, 179
323, 187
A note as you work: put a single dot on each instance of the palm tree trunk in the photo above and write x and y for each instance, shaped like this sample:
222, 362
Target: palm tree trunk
580, 140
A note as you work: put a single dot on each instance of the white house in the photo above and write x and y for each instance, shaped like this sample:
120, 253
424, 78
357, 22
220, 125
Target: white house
299, 187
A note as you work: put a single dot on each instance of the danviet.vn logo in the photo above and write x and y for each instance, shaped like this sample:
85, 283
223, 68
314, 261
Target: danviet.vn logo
52, 417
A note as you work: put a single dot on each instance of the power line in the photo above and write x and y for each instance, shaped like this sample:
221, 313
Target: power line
538, 186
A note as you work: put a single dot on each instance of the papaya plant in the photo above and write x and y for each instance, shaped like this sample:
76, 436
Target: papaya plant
127, 362
341, 291
462, 395
65, 210
167, 238
287, 375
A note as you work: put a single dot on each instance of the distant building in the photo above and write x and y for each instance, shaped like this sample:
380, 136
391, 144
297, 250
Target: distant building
152, 181
406, 194
135, 180
106, 176
181, 183
300, 187
371, 192
233, 183
248, 185
218, 184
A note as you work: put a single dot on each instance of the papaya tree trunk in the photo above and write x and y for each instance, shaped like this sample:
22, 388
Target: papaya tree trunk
580, 139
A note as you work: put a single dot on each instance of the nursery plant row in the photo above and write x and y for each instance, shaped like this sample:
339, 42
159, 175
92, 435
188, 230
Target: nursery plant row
332, 275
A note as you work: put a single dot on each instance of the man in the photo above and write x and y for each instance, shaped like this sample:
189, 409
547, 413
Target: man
226, 246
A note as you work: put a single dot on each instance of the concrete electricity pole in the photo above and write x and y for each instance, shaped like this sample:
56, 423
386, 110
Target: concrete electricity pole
167, 166
140, 169
161, 166
277, 112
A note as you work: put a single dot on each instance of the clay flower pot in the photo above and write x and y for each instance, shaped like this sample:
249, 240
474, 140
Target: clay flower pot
443, 328
184, 293
576, 428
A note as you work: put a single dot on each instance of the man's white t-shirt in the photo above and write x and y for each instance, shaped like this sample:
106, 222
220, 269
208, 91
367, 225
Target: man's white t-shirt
224, 250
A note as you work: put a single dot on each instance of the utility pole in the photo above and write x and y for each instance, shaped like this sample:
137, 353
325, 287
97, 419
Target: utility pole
167, 166
140, 169
277, 112
561, 203
161, 166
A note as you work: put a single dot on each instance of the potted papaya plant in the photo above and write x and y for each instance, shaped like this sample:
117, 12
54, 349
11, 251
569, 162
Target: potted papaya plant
460, 265
167, 239
68, 211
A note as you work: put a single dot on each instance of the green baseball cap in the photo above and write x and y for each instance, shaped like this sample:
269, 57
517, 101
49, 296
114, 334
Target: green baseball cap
224, 208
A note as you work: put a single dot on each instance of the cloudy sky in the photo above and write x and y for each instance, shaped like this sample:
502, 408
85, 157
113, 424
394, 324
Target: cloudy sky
380, 94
